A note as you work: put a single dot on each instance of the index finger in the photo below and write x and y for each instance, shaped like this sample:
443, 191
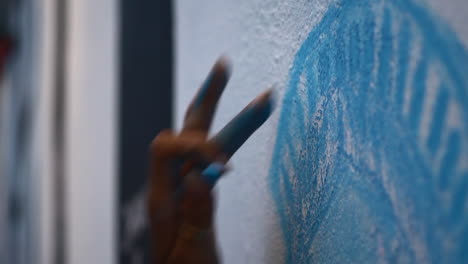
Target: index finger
242, 126
201, 110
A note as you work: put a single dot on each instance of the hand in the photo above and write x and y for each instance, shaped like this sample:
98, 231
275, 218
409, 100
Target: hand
186, 166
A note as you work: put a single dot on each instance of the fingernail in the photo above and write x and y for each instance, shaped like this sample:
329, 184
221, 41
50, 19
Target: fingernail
213, 172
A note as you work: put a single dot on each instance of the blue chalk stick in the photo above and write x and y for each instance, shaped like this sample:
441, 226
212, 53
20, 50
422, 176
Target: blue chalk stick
213, 172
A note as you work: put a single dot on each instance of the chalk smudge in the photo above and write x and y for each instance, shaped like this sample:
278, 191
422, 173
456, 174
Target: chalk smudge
357, 174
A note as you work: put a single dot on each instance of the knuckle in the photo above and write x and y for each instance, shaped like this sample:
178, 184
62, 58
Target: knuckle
213, 148
159, 142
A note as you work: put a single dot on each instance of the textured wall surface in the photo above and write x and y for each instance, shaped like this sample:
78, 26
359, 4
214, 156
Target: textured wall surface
366, 157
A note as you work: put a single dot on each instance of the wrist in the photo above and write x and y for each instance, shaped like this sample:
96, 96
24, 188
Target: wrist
194, 245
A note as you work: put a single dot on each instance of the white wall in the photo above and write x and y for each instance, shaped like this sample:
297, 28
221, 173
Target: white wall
261, 37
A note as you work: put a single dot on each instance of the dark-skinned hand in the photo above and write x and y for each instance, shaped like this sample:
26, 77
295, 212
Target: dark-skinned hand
185, 166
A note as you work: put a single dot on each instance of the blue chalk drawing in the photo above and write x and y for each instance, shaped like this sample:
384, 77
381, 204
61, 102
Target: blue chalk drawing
371, 157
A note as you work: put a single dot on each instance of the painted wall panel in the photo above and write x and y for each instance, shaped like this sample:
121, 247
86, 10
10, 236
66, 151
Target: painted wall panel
91, 132
20, 232
366, 157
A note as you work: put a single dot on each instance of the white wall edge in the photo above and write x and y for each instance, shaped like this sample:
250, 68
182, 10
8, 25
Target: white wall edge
91, 131
43, 126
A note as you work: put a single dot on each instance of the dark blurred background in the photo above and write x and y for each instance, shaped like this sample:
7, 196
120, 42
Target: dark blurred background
145, 108
84, 87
